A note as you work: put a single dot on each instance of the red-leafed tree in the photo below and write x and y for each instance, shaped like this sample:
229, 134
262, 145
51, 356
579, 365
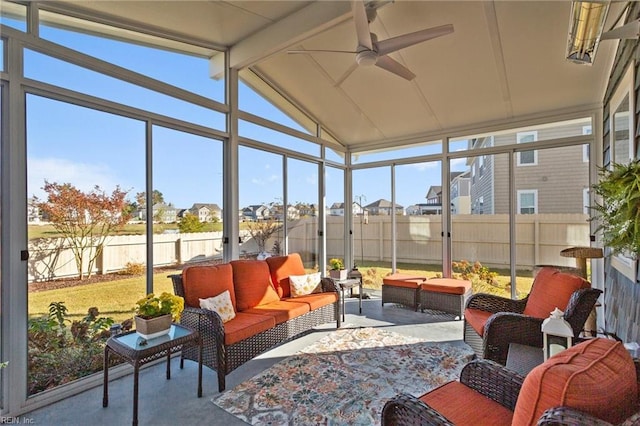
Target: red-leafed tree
85, 219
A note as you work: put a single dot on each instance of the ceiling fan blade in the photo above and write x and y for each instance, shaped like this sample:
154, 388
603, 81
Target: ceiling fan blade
319, 51
362, 24
386, 63
346, 74
400, 42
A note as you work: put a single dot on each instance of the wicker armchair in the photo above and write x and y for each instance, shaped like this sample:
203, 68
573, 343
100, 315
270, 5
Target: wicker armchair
489, 393
493, 322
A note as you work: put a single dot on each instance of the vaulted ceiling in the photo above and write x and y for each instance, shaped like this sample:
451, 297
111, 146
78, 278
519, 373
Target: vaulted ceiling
504, 62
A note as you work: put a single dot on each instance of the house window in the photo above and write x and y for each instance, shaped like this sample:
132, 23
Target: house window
527, 158
586, 130
528, 201
585, 200
480, 165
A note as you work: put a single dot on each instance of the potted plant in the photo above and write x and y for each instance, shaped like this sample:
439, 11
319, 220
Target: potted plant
154, 314
337, 270
618, 211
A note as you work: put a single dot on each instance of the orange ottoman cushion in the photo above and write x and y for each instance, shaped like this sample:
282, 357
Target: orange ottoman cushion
403, 280
446, 285
464, 406
597, 376
202, 282
281, 268
252, 283
552, 288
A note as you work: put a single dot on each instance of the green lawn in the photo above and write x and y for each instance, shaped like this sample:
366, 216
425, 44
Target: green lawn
114, 299
48, 231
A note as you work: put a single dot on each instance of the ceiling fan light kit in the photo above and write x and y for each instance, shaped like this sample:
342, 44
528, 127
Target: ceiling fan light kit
370, 51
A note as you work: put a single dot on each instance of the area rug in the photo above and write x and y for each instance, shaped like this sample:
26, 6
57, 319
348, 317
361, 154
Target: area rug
344, 379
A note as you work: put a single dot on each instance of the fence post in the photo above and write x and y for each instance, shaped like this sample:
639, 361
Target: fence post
178, 250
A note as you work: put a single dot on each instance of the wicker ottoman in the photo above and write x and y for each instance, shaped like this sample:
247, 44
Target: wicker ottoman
445, 294
402, 289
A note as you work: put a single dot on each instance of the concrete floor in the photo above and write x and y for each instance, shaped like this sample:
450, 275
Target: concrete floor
174, 402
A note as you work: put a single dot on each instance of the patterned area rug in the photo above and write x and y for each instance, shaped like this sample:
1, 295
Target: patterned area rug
344, 379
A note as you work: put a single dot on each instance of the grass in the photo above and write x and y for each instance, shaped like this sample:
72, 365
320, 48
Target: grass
116, 298
48, 231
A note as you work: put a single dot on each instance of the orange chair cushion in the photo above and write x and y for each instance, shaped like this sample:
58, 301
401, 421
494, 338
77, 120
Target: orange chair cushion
281, 268
597, 376
403, 280
203, 282
252, 283
446, 285
464, 406
477, 318
244, 326
281, 311
552, 288
317, 300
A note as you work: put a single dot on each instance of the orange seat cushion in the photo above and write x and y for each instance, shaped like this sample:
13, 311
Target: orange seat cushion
281, 310
403, 280
552, 288
464, 406
317, 300
281, 268
252, 283
446, 285
477, 318
597, 376
203, 282
244, 326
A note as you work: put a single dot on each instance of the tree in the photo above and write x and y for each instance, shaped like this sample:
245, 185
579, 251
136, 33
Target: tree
85, 219
156, 198
190, 223
262, 230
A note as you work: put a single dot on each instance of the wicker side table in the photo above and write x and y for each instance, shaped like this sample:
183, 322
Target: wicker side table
137, 351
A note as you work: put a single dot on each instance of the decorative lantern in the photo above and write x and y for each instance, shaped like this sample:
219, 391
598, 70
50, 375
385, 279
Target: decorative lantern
557, 334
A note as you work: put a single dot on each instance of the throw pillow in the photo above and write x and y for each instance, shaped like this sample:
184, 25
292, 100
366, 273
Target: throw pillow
301, 285
221, 304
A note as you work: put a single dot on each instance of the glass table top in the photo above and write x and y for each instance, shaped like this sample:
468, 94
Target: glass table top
135, 341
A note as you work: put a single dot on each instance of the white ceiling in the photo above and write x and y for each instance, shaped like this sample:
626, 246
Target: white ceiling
504, 62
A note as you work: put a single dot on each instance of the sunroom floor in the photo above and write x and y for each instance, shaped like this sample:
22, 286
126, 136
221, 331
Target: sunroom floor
173, 402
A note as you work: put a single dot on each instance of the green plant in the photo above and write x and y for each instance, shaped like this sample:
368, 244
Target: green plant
4, 364
336, 264
618, 212
59, 354
474, 272
152, 306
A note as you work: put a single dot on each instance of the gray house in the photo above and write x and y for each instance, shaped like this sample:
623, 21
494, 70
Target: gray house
206, 212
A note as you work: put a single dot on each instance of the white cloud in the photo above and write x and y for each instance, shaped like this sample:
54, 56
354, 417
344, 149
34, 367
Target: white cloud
425, 166
83, 176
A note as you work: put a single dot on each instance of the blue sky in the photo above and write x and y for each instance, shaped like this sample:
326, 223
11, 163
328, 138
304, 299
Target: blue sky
69, 143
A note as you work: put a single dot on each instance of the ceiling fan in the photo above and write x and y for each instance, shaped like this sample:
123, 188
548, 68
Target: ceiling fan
370, 51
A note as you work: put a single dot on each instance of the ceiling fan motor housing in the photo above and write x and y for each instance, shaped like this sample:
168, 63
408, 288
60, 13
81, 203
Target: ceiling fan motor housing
366, 58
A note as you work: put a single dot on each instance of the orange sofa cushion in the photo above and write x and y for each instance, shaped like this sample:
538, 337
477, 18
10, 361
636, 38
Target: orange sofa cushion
403, 280
203, 282
552, 288
597, 376
446, 285
316, 300
464, 406
244, 326
477, 318
281, 311
281, 268
252, 283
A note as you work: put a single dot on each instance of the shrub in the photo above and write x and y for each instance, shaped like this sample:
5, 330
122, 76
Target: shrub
134, 268
59, 354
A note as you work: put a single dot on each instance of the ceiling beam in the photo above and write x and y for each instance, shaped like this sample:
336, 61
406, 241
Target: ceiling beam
306, 22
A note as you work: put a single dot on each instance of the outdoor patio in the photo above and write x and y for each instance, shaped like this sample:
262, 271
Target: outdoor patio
173, 402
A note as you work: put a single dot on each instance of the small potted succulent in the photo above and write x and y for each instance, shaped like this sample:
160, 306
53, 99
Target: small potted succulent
337, 270
154, 314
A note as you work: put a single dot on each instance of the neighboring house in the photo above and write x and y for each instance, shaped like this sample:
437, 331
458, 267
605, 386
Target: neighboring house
256, 212
337, 209
33, 212
565, 192
162, 213
383, 207
206, 212
460, 193
307, 210
292, 213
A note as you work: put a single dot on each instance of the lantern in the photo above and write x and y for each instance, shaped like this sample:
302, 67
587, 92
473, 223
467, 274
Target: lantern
557, 334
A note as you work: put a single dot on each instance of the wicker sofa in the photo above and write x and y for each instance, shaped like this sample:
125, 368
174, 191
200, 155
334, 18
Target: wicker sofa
266, 314
592, 383
491, 322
